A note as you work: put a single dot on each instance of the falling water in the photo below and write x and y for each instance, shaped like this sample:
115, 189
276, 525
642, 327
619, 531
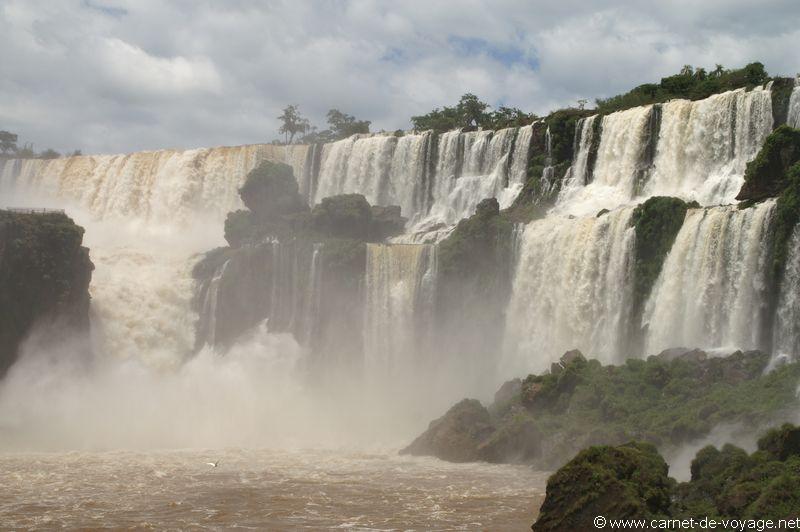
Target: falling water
712, 290
787, 317
158, 186
398, 305
571, 290
619, 164
387, 170
578, 175
704, 146
793, 118
519, 160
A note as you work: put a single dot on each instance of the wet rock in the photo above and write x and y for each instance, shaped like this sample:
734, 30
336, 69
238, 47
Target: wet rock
627, 481
454, 437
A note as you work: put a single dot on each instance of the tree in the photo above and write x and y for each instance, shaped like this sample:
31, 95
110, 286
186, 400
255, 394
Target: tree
49, 154
718, 71
8, 142
343, 125
76, 153
582, 103
292, 123
472, 110
26, 152
687, 70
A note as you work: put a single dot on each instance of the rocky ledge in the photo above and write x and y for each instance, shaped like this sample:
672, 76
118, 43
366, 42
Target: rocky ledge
667, 400
44, 279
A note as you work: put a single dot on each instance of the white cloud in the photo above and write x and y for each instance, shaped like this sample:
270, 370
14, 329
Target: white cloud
131, 69
119, 76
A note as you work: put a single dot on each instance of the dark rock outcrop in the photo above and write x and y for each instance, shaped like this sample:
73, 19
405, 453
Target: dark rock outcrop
627, 481
630, 481
44, 279
667, 400
278, 249
766, 175
456, 435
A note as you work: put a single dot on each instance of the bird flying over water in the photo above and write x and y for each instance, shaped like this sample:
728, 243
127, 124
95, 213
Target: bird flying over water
213, 464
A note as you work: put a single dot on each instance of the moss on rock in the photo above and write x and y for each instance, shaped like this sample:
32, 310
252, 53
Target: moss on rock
767, 175
656, 222
44, 278
627, 481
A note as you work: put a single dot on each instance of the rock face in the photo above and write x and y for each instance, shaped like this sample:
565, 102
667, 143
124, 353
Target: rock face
765, 176
630, 481
627, 481
667, 400
44, 279
456, 435
282, 256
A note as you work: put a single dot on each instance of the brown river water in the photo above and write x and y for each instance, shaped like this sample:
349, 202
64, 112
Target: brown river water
262, 490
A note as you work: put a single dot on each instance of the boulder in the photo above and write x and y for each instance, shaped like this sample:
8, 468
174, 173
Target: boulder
455, 437
627, 481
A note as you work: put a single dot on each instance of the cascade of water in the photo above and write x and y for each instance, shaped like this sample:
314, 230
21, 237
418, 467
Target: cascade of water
787, 316
793, 116
410, 174
571, 290
712, 289
160, 186
400, 284
519, 159
704, 145
386, 169
578, 175
620, 161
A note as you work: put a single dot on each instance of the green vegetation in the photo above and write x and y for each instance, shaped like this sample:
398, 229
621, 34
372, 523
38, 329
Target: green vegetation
473, 248
787, 216
666, 400
630, 481
44, 275
766, 175
776, 172
276, 209
656, 222
340, 125
690, 83
470, 111
292, 123
627, 481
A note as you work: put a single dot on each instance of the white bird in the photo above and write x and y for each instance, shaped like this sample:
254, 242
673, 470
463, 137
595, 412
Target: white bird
213, 464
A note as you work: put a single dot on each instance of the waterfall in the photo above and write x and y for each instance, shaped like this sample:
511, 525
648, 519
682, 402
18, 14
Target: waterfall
400, 284
410, 174
712, 290
571, 290
619, 165
518, 172
704, 145
787, 316
157, 186
793, 118
578, 175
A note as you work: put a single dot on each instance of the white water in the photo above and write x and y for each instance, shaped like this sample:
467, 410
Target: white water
793, 118
618, 163
704, 146
571, 290
701, 152
578, 175
787, 317
165, 186
712, 290
469, 167
399, 303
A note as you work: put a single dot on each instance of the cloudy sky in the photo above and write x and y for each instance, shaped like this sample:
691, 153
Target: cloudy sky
117, 75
